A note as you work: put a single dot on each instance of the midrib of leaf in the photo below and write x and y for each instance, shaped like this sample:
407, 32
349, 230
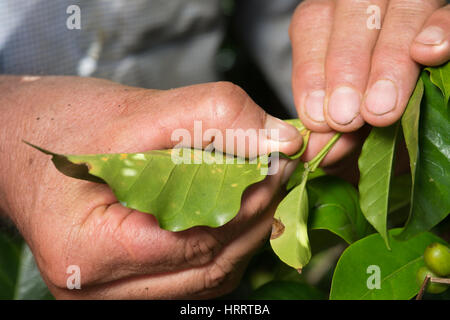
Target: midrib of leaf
390, 275
366, 185
139, 175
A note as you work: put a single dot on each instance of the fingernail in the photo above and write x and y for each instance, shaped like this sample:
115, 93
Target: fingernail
343, 105
314, 105
431, 35
284, 131
382, 97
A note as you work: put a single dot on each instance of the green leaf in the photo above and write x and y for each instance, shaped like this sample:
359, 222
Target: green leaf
29, 283
399, 193
440, 77
375, 167
335, 207
286, 290
180, 194
19, 275
289, 239
410, 126
430, 202
296, 177
397, 268
9, 264
305, 134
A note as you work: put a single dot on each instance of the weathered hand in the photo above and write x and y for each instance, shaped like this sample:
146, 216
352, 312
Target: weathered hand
346, 71
123, 253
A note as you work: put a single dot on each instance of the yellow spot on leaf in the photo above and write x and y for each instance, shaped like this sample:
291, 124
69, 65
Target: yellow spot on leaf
234, 185
123, 156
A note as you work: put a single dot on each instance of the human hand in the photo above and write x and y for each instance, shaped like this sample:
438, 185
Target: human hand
346, 74
122, 253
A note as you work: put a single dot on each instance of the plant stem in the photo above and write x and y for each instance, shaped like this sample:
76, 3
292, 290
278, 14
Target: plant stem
314, 163
422, 288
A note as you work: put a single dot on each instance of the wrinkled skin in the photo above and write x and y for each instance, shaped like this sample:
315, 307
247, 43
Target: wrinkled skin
122, 253
347, 73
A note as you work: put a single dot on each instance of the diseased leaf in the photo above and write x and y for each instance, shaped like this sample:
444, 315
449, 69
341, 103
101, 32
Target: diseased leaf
289, 239
430, 202
375, 167
182, 188
335, 207
287, 290
440, 77
358, 268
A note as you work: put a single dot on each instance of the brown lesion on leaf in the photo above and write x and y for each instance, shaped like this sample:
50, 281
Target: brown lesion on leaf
88, 165
277, 229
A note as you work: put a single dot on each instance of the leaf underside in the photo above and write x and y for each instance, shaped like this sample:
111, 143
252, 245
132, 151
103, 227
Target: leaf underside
375, 167
199, 188
292, 244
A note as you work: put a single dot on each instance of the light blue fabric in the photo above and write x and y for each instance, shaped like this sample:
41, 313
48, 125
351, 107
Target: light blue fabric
157, 44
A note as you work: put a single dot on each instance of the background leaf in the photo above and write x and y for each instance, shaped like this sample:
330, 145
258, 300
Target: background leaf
287, 290
430, 199
297, 176
440, 76
398, 268
410, 126
375, 167
289, 238
335, 207
399, 193
19, 276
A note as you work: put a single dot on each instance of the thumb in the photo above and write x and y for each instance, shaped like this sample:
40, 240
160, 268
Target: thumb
219, 115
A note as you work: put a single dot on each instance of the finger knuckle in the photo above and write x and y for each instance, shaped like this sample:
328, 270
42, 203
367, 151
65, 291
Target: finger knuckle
219, 277
405, 11
308, 12
228, 102
201, 250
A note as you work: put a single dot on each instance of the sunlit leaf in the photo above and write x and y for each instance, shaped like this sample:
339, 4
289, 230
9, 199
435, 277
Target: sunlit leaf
367, 270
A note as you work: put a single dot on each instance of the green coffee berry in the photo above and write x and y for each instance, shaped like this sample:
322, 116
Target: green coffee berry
437, 258
431, 287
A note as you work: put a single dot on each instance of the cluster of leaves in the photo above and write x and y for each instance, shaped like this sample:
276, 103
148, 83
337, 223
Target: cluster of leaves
183, 195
